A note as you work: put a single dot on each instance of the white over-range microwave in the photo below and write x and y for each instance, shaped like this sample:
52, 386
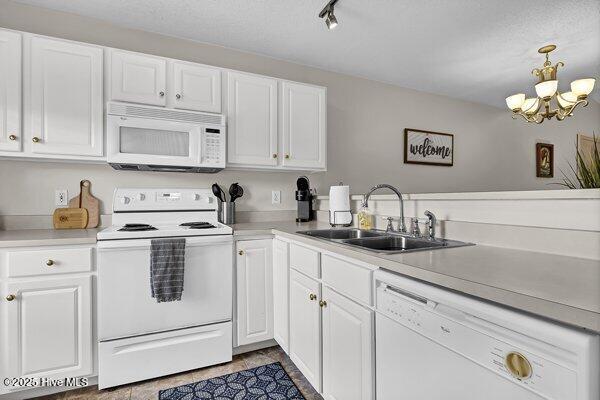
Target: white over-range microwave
158, 139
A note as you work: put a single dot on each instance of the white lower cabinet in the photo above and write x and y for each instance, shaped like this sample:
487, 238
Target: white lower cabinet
331, 338
305, 326
348, 361
281, 284
49, 327
254, 266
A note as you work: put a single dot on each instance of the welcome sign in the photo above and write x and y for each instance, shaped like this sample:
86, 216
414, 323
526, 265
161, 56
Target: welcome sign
425, 147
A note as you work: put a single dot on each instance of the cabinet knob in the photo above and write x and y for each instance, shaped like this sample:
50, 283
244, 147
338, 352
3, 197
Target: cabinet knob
323, 303
274, 155
35, 139
287, 156
13, 137
177, 96
312, 296
50, 263
241, 252
161, 94
10, 297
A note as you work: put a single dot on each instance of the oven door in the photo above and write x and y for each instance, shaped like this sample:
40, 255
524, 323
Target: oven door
148, 141
125, 305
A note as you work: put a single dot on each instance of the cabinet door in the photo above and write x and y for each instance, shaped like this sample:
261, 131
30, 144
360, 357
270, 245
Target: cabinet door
304, 114
281, 275
347, 349
10, 91
305, 327
252, 117
49, 330
254, 291
195, 87
138, 78
65, 103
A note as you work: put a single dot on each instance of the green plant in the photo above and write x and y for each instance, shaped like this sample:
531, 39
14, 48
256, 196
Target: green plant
586, 175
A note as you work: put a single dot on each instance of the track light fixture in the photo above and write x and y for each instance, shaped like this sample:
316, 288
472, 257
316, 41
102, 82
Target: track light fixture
327, 13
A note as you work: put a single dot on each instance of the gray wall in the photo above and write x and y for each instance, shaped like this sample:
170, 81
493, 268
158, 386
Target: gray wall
365, 127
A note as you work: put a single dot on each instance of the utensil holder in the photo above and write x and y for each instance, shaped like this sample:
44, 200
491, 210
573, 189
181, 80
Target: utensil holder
227, 213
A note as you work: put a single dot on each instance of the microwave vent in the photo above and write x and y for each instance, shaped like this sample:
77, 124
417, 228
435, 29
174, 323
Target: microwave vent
130, 110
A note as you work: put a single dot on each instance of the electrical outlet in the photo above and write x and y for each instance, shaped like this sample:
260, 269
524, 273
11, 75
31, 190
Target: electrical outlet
61, 197
276, 197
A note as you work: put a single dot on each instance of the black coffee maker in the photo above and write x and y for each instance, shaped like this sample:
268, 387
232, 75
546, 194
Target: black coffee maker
304, 197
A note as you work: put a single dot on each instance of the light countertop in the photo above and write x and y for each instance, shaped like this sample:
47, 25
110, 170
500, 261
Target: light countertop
566, 289
47, 237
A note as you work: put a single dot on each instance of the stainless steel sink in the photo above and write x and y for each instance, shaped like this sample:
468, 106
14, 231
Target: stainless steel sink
342, 234
382, 241
395, 243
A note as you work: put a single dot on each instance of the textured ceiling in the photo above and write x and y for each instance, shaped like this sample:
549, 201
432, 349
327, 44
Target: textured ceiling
477, 50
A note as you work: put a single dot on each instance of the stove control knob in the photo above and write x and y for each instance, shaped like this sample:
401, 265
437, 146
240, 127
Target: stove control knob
209, 200
125, 200
141, 197
196, 197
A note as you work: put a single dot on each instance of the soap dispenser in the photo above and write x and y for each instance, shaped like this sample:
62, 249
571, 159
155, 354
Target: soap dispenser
365, 217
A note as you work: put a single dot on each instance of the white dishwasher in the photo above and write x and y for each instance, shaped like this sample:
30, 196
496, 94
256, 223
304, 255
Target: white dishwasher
434, 344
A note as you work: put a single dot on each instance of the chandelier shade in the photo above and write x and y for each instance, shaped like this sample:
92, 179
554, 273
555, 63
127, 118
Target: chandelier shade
537, 109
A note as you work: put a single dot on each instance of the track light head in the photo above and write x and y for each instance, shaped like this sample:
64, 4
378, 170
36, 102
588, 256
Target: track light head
331, 21
327, 13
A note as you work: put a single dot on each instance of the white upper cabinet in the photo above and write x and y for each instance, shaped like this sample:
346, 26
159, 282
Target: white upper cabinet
138, 78
281, 273
194, 87
49, 328
347, 349
254, 291
64, 100
252, 120
304, 126
10, 91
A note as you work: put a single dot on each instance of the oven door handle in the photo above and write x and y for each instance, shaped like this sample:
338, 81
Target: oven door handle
126, 244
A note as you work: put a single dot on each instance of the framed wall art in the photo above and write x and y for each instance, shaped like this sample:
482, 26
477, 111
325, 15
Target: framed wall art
544, 160
430, 148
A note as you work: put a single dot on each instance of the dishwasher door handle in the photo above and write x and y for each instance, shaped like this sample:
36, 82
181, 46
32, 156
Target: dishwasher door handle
409, 295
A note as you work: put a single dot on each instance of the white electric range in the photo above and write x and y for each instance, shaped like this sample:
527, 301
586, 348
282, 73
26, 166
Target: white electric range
139, 338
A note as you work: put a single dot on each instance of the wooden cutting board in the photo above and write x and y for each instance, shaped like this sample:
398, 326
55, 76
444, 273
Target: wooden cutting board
70, 218
89, 202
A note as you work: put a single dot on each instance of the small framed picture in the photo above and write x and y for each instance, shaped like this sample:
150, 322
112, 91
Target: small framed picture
544, 160
430, 148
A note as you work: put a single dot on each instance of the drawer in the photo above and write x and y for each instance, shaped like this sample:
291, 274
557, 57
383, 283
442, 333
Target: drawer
49, 261
149, 356
348, 278
305, 260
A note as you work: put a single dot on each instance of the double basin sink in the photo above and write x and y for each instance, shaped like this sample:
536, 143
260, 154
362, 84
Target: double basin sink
382, 241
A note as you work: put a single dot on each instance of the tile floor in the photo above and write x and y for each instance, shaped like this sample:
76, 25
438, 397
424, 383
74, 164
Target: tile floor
148, 390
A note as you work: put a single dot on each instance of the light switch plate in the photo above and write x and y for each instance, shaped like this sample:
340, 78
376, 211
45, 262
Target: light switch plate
276, 197
61, 197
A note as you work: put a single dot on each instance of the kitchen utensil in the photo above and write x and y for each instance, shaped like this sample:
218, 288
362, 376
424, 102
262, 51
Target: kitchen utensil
71, 218
218, 192
87, 201
235, 191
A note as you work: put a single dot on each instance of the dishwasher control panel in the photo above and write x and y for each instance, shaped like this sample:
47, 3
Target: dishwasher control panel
476, 340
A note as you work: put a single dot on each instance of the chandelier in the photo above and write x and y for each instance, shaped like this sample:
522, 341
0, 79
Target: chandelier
537, 109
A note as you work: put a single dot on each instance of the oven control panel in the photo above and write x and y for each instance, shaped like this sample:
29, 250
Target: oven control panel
143, 199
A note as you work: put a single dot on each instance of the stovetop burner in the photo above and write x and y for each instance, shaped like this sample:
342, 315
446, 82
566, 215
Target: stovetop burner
198, 225
137, 228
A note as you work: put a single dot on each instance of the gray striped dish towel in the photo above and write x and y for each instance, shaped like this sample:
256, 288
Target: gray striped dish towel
167, 262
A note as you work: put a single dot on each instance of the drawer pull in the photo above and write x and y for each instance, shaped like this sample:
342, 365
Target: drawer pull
241, 252
312, 296
50, 263
323, 303
10, 297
